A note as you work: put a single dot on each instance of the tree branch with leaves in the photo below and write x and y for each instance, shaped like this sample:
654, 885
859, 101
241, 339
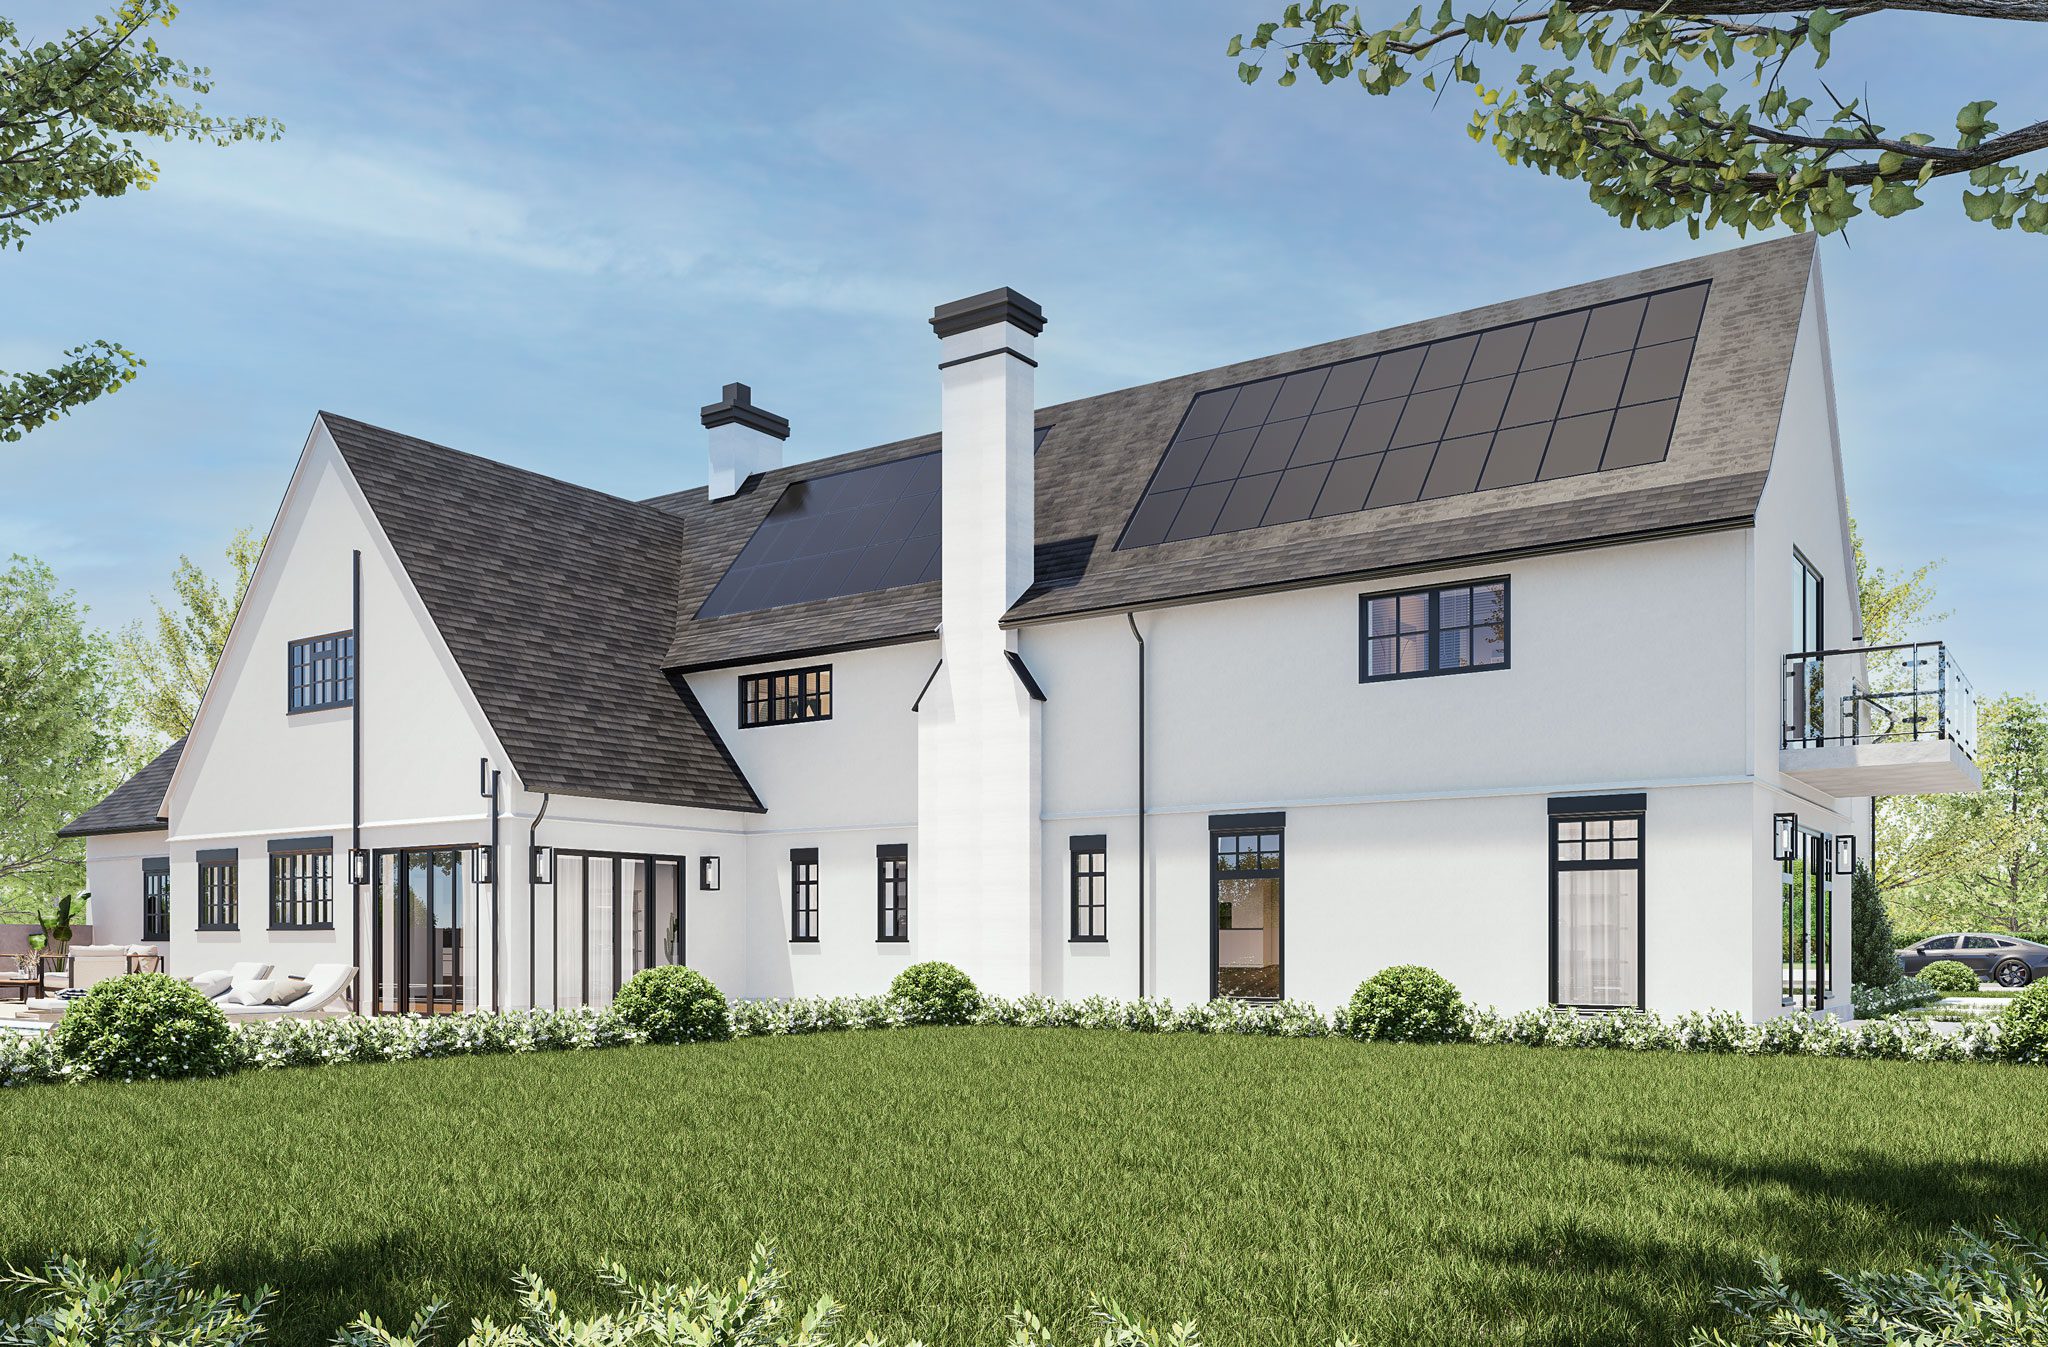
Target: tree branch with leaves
1654, 129
70, 110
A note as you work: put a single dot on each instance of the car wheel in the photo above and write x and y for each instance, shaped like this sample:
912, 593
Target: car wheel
2013, 973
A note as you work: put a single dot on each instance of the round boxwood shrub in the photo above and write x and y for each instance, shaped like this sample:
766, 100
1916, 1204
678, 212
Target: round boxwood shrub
2023, 1027
1408, 1004
145, 1026
935, 993
1946, 975
673, 1004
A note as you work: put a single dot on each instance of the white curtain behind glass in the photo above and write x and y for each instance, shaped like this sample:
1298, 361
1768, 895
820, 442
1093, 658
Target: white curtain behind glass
1596, 937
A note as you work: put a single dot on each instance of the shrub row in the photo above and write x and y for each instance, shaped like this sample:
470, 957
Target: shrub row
1904, 994
1949, 977
152, 1027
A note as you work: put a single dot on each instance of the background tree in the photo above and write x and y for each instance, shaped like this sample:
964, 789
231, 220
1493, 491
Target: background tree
62, 740
1999, 876
169, 669
1873, 949
1653, 128
68, 110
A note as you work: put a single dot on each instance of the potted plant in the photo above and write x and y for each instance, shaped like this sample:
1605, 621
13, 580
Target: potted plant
56, 926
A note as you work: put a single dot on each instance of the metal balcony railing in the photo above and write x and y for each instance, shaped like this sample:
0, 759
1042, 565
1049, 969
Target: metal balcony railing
1880, 694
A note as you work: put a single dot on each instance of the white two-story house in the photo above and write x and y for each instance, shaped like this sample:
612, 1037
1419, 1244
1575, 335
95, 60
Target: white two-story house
1521, 643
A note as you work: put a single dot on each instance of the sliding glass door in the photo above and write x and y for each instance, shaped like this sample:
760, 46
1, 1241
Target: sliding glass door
609, 916
419, 911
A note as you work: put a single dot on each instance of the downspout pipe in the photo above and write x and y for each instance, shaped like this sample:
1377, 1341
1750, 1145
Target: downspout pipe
497, 908
532, 909
355, 819
1139, 637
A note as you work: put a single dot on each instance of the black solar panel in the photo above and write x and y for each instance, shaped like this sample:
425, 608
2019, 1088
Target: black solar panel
851, 532
1586, 391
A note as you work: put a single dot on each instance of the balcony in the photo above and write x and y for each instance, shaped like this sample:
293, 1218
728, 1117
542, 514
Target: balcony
1879, 720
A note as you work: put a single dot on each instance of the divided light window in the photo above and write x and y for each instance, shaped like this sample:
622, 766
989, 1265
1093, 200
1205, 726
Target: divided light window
1596, 901
302, 884
219, 906
786, 697
803, 894
1088, 890
322, 672
1418, 632
892, 891
156, 898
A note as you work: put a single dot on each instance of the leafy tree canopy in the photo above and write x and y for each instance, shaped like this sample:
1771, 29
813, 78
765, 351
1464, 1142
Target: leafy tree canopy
70, 110
62, 740
1652, 124
169, 669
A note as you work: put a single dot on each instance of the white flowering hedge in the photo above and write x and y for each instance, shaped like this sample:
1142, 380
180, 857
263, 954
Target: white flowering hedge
30, 1059
1904, 994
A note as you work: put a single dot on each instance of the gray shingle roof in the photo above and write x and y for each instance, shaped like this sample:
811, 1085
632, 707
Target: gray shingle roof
558, 603
134, 804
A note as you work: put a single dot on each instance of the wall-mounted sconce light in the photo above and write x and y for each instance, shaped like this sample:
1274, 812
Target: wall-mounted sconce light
707, 873
483, 777
483, 863
543, 866
359, 866
1845, 854
1784, 836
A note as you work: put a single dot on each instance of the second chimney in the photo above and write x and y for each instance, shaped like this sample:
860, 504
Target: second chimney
744, 440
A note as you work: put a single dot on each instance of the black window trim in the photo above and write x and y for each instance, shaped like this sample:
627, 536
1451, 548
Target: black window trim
802, 856
886, 852
156, 868
227, 859
286, 849
1231, 825
1507, 627
291, 669
1571, 809
771, 701
1080, 845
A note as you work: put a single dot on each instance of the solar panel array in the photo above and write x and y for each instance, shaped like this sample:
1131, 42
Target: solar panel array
1590, 390
828, 537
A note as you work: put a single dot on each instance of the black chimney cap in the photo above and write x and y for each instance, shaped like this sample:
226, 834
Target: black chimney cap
994, 306
737, 406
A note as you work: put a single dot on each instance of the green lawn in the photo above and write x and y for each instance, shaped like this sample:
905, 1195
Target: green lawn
1280, 1191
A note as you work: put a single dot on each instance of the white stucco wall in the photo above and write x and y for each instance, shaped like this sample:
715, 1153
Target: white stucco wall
113, 875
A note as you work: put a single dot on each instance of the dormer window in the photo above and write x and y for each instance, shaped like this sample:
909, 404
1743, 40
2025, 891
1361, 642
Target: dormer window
786, 697
321, 672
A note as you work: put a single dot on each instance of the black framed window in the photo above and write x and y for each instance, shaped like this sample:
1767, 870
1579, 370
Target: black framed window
786, 697
302, 884
1596, 901
892, 891
1247, 893
803, 894
156, 898
1088, 887
1809, 636
1449, 629
1807, 921
321, 672
219, 904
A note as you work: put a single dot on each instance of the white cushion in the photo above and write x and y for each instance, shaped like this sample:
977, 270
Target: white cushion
213, 983
245, 972
285, 990
251, 992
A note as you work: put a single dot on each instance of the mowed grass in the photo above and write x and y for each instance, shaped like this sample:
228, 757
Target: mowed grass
1277, 1191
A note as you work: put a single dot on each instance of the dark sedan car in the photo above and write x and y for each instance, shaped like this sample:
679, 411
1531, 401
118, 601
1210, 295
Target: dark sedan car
2003, 959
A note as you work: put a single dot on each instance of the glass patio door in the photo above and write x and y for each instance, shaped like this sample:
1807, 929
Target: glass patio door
611, 916
1808, 919
419, 963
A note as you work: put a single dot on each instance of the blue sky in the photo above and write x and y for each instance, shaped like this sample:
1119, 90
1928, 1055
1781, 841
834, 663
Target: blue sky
549, 233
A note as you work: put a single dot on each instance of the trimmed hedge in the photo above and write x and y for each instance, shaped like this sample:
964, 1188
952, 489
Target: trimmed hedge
1946, 975
1407, 1004
2023, 1026
935, 993
145, 1026
673, 1004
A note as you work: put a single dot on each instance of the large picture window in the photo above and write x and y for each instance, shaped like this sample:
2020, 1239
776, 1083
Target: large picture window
892, 891
803, 894
219, 907
1088, 886
156, 898
1596, 901
1418, 632
321, 672
302, 884
786, 697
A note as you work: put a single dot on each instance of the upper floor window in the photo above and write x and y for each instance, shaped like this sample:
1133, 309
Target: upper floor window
1088, 892
302, 884
1449, 629
892, 891
803, 894
219, 901
786, 696
322, 672
156, 898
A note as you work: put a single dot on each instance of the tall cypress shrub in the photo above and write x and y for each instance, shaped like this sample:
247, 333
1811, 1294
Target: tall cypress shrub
1873, 951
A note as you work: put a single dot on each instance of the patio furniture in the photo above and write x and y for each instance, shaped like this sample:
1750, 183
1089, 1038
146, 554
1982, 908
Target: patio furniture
86, 967
21, 986
325, 984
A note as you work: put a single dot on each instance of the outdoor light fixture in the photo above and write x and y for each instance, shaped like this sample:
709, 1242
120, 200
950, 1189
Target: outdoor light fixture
543, 868
1784, 836
483, 863
483, 777
359, 866
707, 873
1845, 854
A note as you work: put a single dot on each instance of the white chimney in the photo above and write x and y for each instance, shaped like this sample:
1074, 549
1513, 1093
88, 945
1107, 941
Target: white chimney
977, 878
744, 440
